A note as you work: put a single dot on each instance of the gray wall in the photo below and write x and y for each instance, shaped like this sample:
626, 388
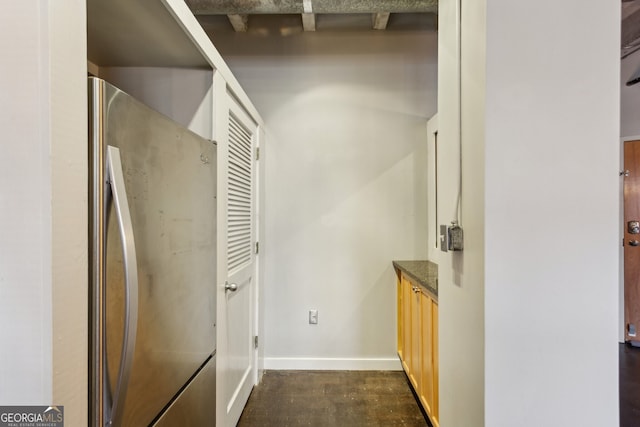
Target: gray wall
43, 227
529, 311
345, 185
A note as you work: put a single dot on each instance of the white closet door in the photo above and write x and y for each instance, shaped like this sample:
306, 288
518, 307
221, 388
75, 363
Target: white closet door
237, 242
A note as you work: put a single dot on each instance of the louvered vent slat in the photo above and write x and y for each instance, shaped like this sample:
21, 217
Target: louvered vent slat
238, 129
239, 192
239, 219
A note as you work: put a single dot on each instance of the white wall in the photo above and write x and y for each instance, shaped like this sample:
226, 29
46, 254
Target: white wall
528, 312
345, 185
551, 213
184, 95
68, 155
461, 275
25, 228
43, 247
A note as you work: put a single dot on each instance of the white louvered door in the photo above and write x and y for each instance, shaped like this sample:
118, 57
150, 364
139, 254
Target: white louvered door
237, 242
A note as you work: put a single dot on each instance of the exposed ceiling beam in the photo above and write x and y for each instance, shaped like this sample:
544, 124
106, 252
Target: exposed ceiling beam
380, 20
240, 23
308, 17
240, 7
309, 21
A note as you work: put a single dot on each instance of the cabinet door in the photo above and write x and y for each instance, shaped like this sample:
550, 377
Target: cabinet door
407, 294
415, 367
426, 393
400, 319
436, 396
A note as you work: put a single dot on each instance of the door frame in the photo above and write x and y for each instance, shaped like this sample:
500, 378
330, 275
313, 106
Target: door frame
621, 322
258, 315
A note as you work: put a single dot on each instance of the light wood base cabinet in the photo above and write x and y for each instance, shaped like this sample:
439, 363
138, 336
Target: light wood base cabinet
418, 342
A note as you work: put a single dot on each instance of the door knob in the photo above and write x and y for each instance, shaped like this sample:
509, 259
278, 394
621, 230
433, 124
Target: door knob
230, 287
634, 243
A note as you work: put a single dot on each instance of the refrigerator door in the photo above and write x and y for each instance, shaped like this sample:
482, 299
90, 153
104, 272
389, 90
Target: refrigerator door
195, 406
170, 180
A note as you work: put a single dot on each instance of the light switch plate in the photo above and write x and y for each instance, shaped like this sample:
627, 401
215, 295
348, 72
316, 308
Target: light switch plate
313, 317
444, 242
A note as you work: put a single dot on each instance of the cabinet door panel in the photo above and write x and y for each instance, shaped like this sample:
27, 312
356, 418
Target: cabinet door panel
406, 324
400, 322
436, 398
426, 342
415, 373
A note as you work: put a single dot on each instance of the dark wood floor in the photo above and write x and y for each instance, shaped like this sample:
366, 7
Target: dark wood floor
629, 386
332, 398
377, 398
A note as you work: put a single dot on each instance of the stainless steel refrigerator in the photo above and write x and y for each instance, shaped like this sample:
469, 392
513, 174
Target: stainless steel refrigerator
153, 266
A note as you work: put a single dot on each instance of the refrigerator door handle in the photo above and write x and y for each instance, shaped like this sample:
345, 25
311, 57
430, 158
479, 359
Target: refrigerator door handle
116, 180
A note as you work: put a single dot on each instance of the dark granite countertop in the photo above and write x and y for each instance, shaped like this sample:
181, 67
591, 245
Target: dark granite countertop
424, 273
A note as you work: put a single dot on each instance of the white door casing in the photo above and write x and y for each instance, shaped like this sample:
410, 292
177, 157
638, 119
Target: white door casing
236, 134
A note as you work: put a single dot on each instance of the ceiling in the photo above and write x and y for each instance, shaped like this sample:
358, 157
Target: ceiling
288, 17
292, 16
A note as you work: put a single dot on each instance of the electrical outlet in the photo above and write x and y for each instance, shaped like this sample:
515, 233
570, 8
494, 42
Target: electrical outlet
313, 317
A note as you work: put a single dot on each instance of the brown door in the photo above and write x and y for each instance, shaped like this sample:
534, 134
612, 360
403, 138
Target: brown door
632, 240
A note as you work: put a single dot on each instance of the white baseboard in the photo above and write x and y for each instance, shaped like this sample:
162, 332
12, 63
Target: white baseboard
331, 364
